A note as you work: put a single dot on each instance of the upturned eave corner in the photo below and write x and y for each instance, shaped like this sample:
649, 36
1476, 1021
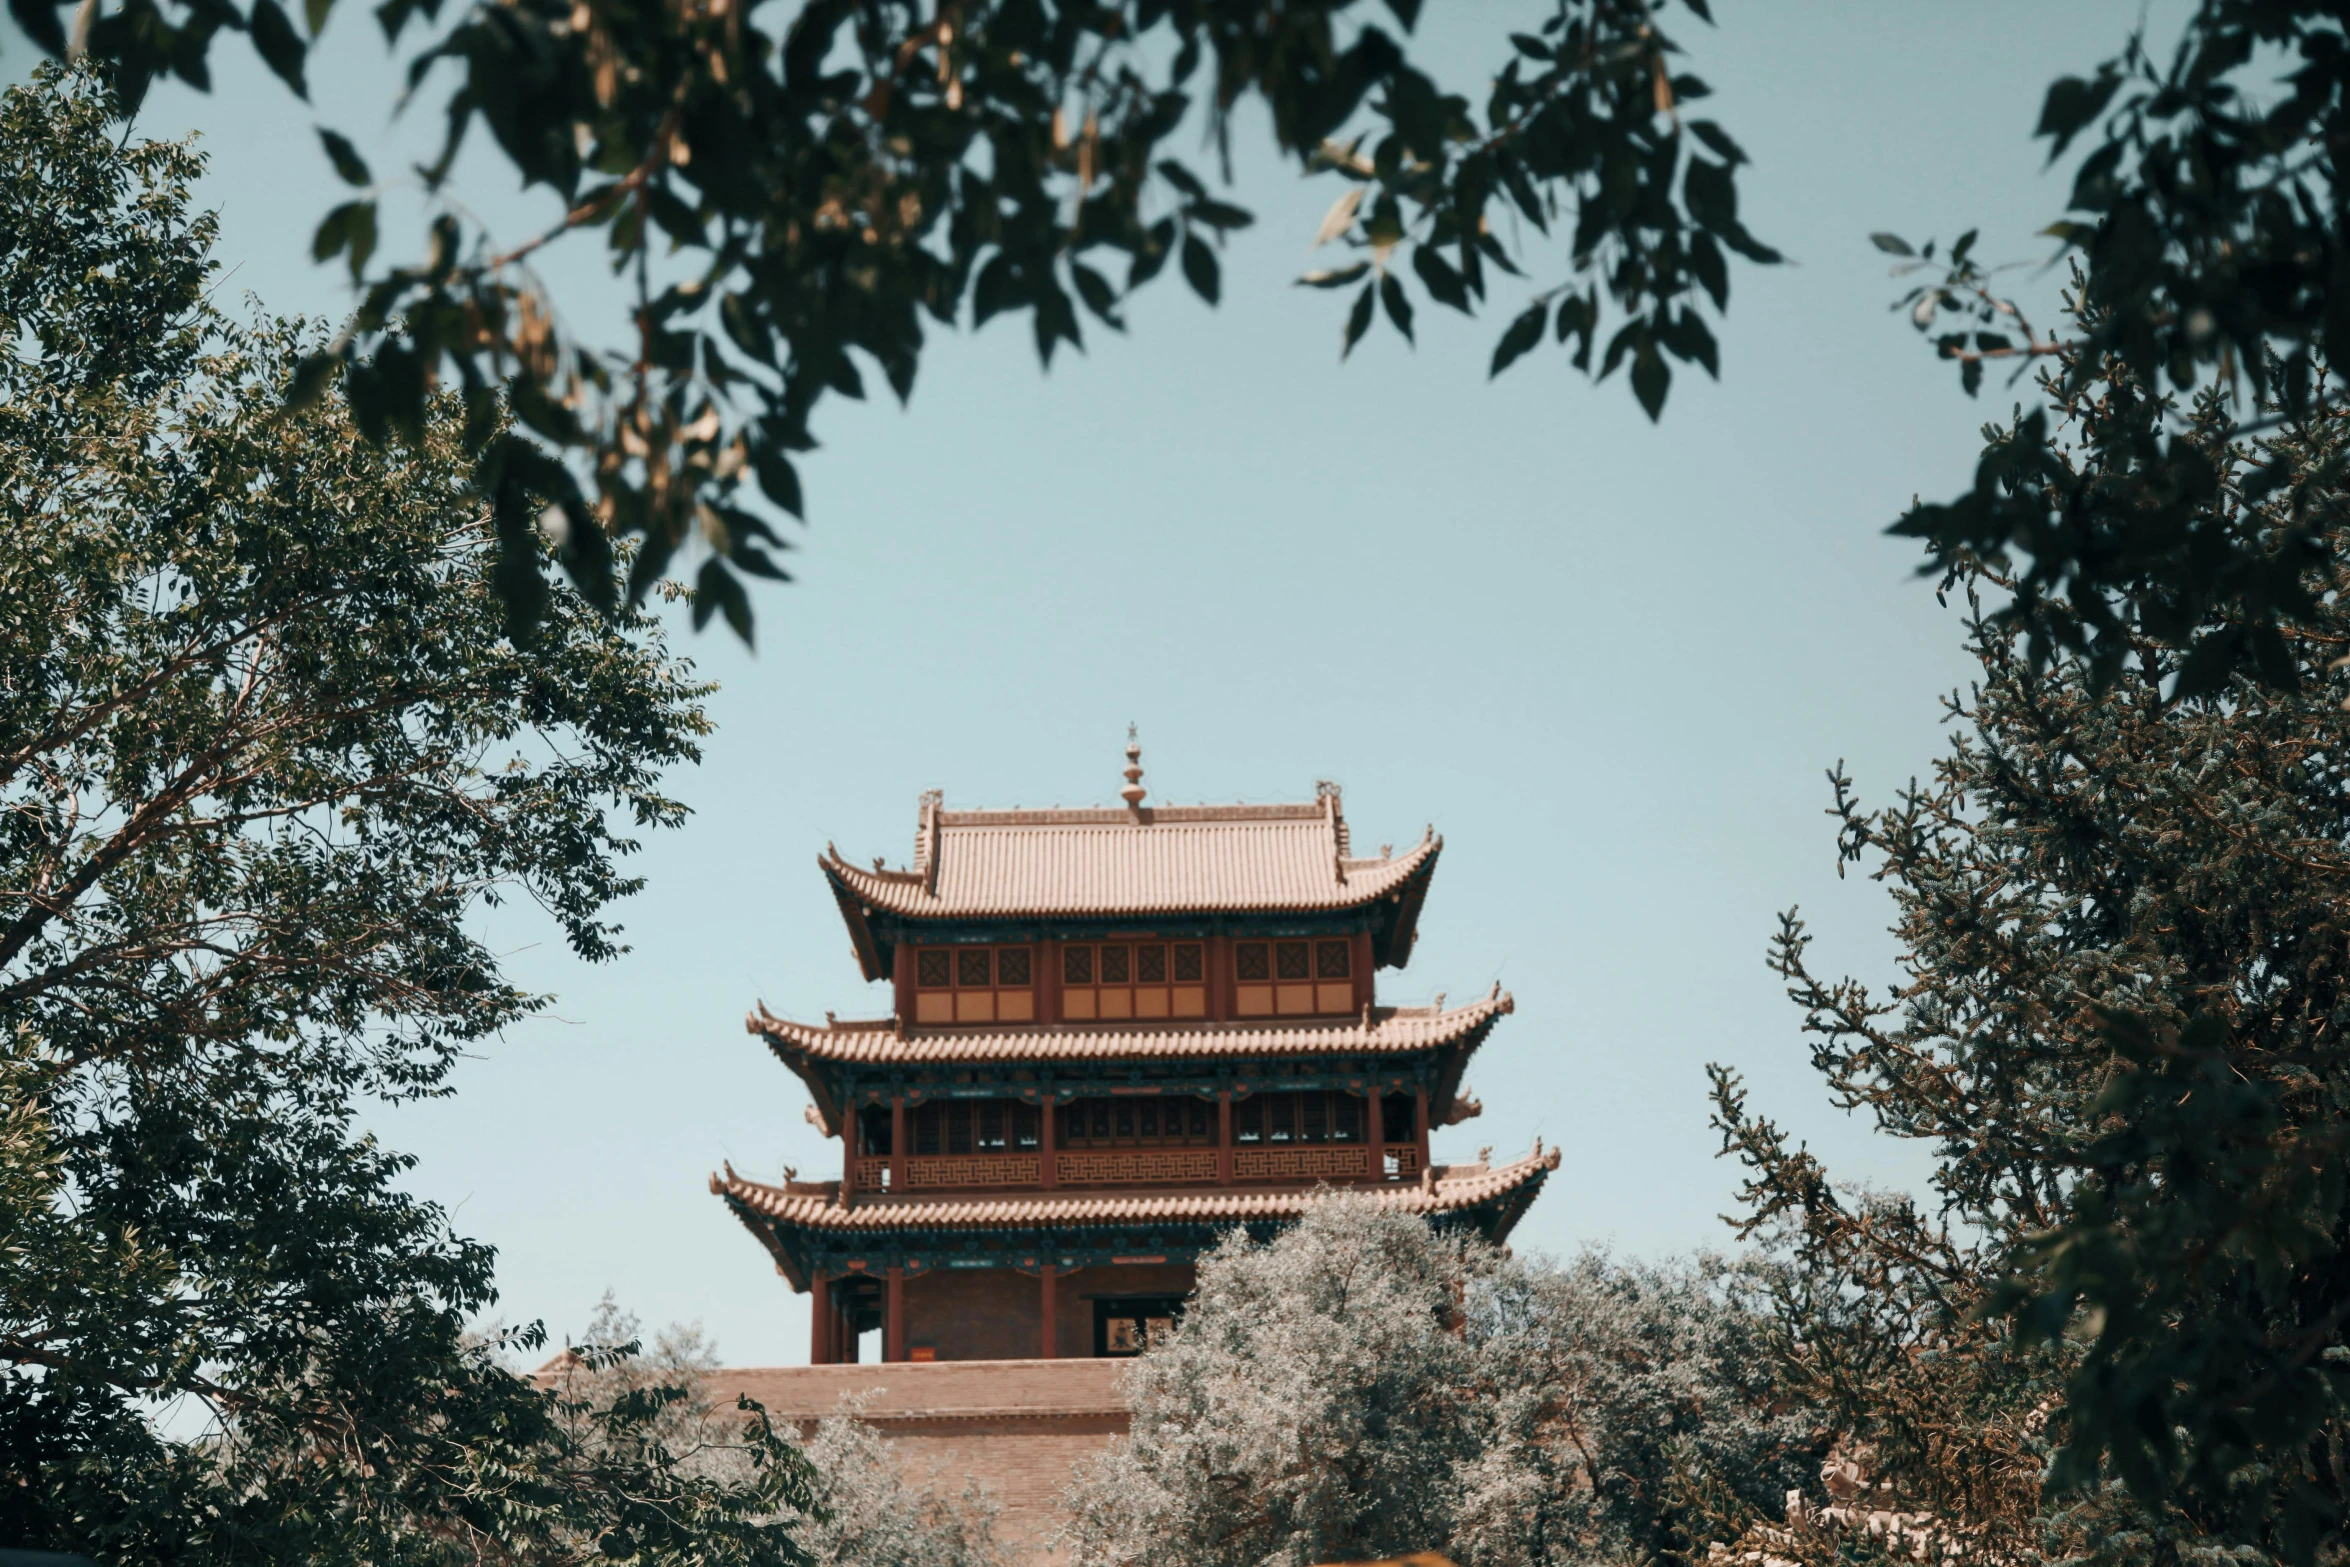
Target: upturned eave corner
854, 913
784, 1043
1402, 931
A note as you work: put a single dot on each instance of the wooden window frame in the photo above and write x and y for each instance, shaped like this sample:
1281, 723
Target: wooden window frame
1075, 1129
958, 1128
1284, 1118
1113, 988
1303, 976
957, 1001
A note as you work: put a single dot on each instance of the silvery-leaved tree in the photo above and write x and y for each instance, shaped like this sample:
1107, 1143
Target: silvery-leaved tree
1362, 1386
266, 752
863, 1508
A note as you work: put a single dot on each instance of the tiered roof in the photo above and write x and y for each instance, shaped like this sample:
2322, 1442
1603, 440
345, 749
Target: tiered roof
808, 1048
1143, 862
1494, 1195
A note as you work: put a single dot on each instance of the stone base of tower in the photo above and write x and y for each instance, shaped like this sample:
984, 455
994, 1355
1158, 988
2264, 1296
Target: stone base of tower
1018, 1427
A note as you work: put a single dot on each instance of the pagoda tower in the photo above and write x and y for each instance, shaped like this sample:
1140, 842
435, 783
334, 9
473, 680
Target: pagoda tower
1115, 1035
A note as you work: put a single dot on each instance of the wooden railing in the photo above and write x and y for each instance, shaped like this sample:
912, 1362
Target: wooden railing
1140, 1167
1315, 1162
1136, 1166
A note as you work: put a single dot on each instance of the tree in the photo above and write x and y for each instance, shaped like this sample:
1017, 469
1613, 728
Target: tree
2120, 1028
264, 756
827, 177
1362, 1386
862, 1509
835, 175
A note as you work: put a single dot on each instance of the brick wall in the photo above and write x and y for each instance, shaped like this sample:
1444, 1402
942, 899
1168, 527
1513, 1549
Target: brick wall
998, 1314
989, 1314
1017, 1426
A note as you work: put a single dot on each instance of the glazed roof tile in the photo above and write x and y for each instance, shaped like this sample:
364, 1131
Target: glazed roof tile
1384, 1030
1158, 860
815, 1205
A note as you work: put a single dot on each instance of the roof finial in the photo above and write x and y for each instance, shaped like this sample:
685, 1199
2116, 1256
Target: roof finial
1133, 792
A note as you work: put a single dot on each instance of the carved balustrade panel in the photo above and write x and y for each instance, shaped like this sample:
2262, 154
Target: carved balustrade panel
1343, 1163
1136, 1166
929, 1172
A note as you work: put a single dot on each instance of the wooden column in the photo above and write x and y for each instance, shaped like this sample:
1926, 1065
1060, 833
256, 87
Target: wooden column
1376, 1133
1049, 1351
1224, 1136
893, 1330
902, 984
820, 1321
1359, 953
1420, 1125
848, 1152
1047, 1164
897, 1145
1219, 956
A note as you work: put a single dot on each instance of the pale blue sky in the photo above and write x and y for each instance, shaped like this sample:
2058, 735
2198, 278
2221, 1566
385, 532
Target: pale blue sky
1608, 661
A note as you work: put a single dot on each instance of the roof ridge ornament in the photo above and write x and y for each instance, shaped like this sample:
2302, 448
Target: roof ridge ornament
1133, 792
926, 856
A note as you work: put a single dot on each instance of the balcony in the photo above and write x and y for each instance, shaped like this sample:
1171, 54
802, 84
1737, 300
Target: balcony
1343, 1162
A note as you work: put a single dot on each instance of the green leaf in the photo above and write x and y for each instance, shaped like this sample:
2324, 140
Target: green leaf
1651, 377
1358, 320
1099, 296
1891, 244
359, 229
718, 589
1399, 305
345, 158
314, 13
279, 45
1444, 284
1718, 141
1182, 179
313, 374
39, 20
1523, 334
2071, 104
778, 478
1199, 268
1712, 197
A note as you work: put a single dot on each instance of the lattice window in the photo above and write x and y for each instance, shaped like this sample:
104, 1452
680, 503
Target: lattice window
973, 1126
1282, 1119
1138, 1122
1293, 978
974, 985
1120, 981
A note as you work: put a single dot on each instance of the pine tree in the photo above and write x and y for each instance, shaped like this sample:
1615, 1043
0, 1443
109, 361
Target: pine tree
2116, 1327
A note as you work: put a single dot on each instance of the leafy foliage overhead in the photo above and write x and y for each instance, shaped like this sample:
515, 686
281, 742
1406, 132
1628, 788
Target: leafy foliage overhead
2207, 220
265, 755
796, 192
